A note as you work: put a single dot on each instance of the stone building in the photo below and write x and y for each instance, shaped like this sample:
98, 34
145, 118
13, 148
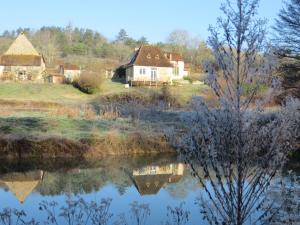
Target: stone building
22, 62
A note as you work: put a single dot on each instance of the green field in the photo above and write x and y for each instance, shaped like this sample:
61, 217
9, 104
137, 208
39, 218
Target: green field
40, 92
59, 93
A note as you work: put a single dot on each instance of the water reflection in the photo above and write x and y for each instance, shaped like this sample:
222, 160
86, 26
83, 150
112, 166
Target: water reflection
159, 181
149, 180
148, 177
22, 184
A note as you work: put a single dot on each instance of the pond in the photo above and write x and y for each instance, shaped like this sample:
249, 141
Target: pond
159, 181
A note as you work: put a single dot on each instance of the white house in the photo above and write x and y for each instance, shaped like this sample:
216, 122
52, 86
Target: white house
178, 65
148, 64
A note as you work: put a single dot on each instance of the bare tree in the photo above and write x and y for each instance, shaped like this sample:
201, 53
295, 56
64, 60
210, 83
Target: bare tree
77, 211
234, 150
139, 215
177, 215
46, 43
15, 217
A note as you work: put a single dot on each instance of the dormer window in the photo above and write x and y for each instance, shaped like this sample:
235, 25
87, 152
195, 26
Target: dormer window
149, 56
157, 57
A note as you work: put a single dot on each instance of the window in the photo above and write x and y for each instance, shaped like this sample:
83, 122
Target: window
157, 57
176, 70
148, 56
142, 71
153, 74
22, 75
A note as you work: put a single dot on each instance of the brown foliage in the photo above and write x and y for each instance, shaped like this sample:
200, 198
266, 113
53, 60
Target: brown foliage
89, 82
86, 111
137, 142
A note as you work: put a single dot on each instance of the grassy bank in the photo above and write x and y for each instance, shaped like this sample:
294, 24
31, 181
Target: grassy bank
40, 134
45, 120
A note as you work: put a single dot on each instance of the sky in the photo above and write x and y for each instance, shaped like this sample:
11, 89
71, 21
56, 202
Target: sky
154, 19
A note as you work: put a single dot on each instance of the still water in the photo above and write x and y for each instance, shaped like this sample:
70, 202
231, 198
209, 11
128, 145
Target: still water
159, 181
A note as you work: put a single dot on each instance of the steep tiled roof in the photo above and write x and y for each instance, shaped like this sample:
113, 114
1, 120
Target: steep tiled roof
20, 60
150, 184
148, 55
69, 66
173, 56
21, 53
21, 46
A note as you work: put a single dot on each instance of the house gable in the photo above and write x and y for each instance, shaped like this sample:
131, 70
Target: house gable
148, 55
21, 53
21, 46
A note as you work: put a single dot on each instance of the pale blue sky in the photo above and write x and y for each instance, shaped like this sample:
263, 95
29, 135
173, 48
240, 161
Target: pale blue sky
154, 19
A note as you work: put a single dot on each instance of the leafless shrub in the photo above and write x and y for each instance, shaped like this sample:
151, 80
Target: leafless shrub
134, 109
15, 217
68, 111
177, 215
164, 98
237, 166
85, 111
285, 198
77, 211
88, 112
238, 150
110, 112
139, 214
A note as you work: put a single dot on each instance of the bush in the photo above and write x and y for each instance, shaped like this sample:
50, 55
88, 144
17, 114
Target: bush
89, 82
120, 73
188, 78
249, 88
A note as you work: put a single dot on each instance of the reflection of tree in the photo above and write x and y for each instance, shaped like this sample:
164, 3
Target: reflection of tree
78, 211
181, 189
285, 193
80, 176
82, 181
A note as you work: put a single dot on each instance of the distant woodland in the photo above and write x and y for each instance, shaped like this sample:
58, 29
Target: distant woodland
80, 45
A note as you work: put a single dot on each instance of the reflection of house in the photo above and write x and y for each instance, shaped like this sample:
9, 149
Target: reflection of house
22, 184
150, 179
148, 64
21, 61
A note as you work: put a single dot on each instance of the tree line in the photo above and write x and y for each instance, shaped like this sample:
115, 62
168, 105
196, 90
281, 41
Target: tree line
57, 42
